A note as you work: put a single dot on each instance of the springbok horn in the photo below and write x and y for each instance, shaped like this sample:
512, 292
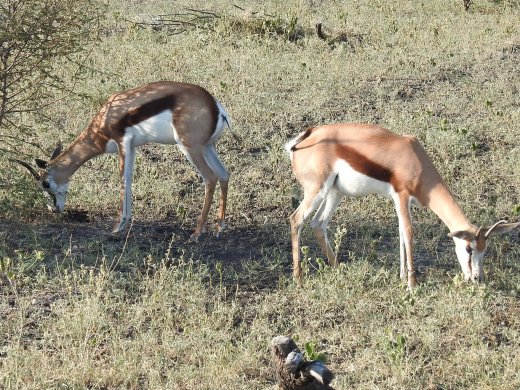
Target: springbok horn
479, 231
57, 151
493, 227
31, 169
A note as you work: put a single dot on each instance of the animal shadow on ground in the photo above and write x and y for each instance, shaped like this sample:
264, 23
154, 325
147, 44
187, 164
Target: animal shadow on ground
249, 252
76, 239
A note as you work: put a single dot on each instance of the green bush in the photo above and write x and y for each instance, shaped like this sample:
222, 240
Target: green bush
36, 39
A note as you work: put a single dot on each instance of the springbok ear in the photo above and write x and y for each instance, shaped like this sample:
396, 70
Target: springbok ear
41, 163
463, 235
57, 151
500, 227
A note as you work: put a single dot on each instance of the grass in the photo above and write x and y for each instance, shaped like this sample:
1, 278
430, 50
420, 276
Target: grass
81, 309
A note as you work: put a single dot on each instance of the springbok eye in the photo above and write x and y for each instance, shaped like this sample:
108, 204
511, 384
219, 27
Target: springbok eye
469, 250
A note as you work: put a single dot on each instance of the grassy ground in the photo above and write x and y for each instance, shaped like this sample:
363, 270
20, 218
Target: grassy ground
81, 309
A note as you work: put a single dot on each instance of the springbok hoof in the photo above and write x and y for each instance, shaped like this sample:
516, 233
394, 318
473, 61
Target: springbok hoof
218, 229
120, 226
116, 230
412, 281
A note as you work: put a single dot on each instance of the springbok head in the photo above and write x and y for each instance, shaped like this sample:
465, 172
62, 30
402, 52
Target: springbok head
56, 193
471, 247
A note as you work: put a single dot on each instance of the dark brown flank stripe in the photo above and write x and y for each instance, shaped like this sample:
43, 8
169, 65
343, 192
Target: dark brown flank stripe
363, 165
119, 118
147, 110
214, 112
214, 115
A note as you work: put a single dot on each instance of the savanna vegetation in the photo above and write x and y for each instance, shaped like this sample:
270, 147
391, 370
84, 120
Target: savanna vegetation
83, 309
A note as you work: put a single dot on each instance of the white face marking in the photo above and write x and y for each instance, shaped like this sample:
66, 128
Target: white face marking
472, 262
158, 128
354, 183
57, 194
478, 264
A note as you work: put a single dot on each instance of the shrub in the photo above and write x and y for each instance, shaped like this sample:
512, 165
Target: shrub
36, 38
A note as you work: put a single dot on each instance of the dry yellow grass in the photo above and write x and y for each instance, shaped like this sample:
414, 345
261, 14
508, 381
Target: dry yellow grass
82, 310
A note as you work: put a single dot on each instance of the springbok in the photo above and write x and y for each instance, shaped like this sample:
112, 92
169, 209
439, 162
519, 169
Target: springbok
162, 112
333, 161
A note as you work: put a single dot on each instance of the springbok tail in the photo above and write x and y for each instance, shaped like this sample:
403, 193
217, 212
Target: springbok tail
289, 146
227, 121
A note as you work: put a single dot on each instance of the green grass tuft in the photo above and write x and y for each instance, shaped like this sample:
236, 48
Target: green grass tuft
80, 309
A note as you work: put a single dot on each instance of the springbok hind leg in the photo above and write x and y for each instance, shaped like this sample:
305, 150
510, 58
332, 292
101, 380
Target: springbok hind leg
310, 201
196, 157
321, 221
314, 194
216, 165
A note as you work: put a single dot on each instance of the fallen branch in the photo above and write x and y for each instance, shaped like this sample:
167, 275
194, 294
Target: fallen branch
177, 23
293, 372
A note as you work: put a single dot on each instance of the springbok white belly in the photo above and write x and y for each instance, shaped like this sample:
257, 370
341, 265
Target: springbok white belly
158, 128
354, 183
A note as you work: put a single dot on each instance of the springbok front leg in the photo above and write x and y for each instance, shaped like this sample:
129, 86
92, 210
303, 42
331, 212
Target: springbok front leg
404, 216
126, 167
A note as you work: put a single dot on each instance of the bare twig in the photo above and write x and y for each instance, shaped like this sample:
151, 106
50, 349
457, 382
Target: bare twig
179, 22
319, 31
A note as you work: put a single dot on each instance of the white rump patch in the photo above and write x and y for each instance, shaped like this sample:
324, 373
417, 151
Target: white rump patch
289, 145
222, 121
